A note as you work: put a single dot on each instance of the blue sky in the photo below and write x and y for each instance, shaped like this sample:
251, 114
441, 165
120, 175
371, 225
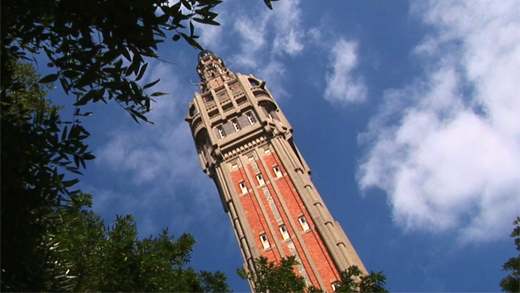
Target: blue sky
408, 114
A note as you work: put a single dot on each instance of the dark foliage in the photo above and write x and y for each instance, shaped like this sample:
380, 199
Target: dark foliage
98, 50
274, 277
511, 283
34, 154
92, 256
281, 277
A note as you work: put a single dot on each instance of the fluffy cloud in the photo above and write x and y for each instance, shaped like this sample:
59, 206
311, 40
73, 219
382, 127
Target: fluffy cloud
163, 150
279, 29
446, 149
342, 85
157, 167
289, 32
263, 38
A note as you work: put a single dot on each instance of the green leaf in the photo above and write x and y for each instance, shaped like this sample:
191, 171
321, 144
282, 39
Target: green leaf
64, 133
70, 73
49, 78
141, 71
139, 115
268, 3
88, 156
134, 67
76, 161
176, 37
86, 98
186, 4
125, 53
151, 84
158, 94
191, 41
70, 183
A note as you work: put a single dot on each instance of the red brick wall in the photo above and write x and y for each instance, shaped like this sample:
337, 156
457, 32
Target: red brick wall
258, 223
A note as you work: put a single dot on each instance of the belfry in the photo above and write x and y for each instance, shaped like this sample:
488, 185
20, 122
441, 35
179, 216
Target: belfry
245, 144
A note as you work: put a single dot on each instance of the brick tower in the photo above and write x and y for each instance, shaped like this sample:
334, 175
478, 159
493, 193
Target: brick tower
245, 144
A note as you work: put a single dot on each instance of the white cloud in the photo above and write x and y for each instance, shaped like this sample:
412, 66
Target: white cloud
447, 149
158, 163
288, 29
252, 39
274, 72
211, 35
279, 29
342, 85
265, 36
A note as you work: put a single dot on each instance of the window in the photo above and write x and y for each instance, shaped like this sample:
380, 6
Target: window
193, 110
265, 241
303, 223
277, 171
260, 179
208, 98
269, 116
285, 233
221, 132
235, 124
227, 107
243, 187
250, 117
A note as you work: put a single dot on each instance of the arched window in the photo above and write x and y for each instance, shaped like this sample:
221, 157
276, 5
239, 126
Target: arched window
253, 82
269, 109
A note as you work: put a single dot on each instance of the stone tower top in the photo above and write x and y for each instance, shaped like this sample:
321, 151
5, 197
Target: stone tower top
212, 71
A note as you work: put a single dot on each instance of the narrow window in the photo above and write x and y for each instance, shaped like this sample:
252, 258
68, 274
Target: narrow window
235, 125
303, 223
277, 171
193, 110
243, 187
250, 117
265, 241
221, 132
260, 179
284, 232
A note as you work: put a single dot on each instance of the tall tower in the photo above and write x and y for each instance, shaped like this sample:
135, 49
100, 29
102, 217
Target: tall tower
245, 144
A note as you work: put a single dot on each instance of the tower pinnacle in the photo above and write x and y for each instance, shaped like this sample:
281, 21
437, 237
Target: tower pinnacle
212, 71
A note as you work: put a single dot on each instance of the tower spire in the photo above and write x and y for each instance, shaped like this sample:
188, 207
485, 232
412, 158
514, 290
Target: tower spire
212, 71
245, 144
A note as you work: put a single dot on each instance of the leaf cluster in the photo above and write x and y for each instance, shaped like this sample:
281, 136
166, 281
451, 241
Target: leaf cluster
35, 153
98, 51
98, 48
353, 280
94, 256
281, 277
511, 283
274, 277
